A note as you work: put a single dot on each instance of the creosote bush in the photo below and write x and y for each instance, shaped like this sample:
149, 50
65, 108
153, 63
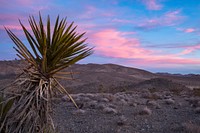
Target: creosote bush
50, 52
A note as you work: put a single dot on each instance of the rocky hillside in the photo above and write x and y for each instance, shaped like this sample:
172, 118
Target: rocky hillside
92, 78
118, 99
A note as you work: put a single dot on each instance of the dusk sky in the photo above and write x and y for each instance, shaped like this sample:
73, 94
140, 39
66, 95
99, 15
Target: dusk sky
155, 35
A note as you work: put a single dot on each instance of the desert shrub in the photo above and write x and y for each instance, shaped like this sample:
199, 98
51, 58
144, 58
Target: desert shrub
102, 89
196, 91
152, 90
191, 128
122, 121
145, 111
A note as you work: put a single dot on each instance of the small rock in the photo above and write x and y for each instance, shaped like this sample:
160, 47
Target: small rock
123, 102
92, 104
89, 95
169, 101
194, 102
146, 95
79, 111
156, 95
145, 111
154, 104
65, 98
198, 104
122, 121
100, 106
132, 104
85, 99
112, 106
197, 110
110, 110
175, 107
104, 100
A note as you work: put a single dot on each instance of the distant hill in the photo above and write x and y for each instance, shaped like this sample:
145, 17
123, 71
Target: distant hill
108, 78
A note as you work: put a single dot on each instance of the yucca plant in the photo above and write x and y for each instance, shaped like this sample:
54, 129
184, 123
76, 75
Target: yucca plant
5, 106
51, 52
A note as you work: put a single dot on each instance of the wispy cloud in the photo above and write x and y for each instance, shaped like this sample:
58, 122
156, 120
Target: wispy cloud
152, 4
188, 30
124, 21
10, 18
168, 19
114, 28
11, 27
189, 49
115, 44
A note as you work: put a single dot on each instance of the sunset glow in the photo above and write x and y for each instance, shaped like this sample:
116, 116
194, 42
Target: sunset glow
155, 35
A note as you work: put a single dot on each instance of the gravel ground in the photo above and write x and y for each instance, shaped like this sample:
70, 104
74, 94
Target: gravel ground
128, 113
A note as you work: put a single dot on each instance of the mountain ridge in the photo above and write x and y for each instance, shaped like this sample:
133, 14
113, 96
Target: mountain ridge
108, 78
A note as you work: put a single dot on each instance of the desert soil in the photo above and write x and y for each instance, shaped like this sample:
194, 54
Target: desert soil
118, 99
128, 112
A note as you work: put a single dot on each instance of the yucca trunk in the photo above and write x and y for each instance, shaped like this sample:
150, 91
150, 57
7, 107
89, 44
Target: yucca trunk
34, 88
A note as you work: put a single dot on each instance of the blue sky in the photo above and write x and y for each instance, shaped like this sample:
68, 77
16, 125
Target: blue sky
156, 35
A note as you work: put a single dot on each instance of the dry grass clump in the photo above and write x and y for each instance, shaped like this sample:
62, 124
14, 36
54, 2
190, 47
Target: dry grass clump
194, 101
156, 96
196, 92
151, 95
145, 111
191, 128
122, 121
154, 104
146, 94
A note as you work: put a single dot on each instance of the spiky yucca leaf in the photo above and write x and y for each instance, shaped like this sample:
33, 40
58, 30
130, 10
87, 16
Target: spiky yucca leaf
51, 52
5, 106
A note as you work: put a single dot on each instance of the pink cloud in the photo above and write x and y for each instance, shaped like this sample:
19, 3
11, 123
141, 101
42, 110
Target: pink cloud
189, 30
115, 44
25, 2
107, 14
30, 2
94, 12
89, 12
11, 27
168, 19
189, 49
174, 60
160, 63
124, 21
171, 18
152, 4
10, 17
